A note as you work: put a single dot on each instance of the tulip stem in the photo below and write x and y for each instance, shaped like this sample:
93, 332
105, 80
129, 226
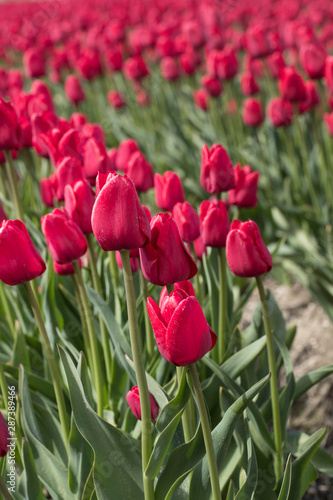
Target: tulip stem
85, 335
51, 362
278, 463
96, 367
149, 331
98, 287
3, 489
3, 386
139, 372
114, 269
186, 417
13, 186
196, 277
212, 465
8, 312
223, 304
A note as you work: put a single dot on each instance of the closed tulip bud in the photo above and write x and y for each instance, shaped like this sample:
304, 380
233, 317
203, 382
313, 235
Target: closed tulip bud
246, 186
201, 99
329, 73
68, 171
48, 189
73, 90
4, 436
34, 62
187, 221
65, 240
125, 150
227, 64
118, 220
312, 97
257, 42
248, 84
19, 259
168, 190
214, 223
212, 85
42, 124
165, 260
134, 261
114, 59
279, 112
116, 99
133, 400
247, 255
26, 132
10, 130
199, 248
79, 202
312, 58
140, 171
182, 333
217, 174
252, 112
135, 68
169, 68
276, 64
291, 85
95, 159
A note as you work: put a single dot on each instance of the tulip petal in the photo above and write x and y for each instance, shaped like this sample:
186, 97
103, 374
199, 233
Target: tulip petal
159, 328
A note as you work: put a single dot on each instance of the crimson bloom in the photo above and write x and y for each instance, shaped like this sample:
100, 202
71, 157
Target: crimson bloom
140, 171
133, 400
182, 333
4, 436
217, 173
73, 89
291, 85
252, 112
214, 223
10, 130
79, 202
168, 190
312, 58
247, 254
165, 260
118, 220
246, 186
187, 221
279, 112
19, 259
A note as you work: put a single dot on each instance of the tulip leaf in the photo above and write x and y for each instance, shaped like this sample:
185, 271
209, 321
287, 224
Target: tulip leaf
117, 467
321, 460
247, 490
304, 383
231, 491
286, 482
51, 470
166, 425
29, 485
35, 382
241, 359
80, 463
20, 351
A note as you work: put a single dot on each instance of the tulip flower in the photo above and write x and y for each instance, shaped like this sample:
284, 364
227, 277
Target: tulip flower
186, 286
252, 113
168, 190
79, 202
64, 269
201, 99
73, 90
133, 400
125, 150
329, 73
214, 223
187, 221
312, 58
247, 255
34, 62
10, 130
217, 173
118, 220
212, 85
169, 68
165, 260
64, 238
279, 112
140, 171
116, 99
182, 333
291, 85
199, 248
276, 64
19, 259
48, 189
246, 186
248, 84
95, 159
4, 436
68, 171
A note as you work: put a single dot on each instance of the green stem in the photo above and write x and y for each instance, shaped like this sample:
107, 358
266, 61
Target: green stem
3, 489
139, 371
223, 304
8, 312
212, 465
196, 277
51, 361
273, 382
186, 417
98, 288
86, 342
3, 386
96, 367
114, 269
150, 340
13, 186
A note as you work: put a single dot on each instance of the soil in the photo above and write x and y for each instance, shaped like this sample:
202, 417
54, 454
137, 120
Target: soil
312, 349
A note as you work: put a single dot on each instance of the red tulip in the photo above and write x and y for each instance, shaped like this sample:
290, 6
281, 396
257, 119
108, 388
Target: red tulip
279, 112
217, 173
64, 269
114, 59
42, 124
140, 171
248, 84
312, 97
73, 89
135, 68
118, 220
214, 223
125, 150
246, 253
187, 221
116, 99
133, 400
65, 240
169, 68
68, 171
257, 42
10, 130
201, 99
182, 333
312, 58
246, 186
48, 188
291, 85
168, 190
19, 259
4, 436
212, 85
165, 260
186, 286
199, 248
252, 112
276, 64
329, 73
79, 202
34, 62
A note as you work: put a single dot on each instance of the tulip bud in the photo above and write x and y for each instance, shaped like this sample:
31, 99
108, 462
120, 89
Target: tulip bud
140, 171
212, 85
34, 62
165, 260
95, 159
169, 68
73, 89
252, 113
182, 333
133, 400
186, 286
248, 84
10, 130
312, 58
187, 221
118, 220
279, 112
116, 99
217, 173
135, 68
79, 202
246, 186
276, 64
201, 99
291, 85
64, 269
19, 259
329, 73
214, 223
199, 248
64, 238
246, 253
68, 171
4, 436
168, 190
125, 150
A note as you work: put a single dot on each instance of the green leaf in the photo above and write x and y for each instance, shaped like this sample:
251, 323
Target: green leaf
286, 483
231, 491
241, 359
303, 384
20, 351
80, 464
29, 485
247, 490
117, 467
35, 382
321, 459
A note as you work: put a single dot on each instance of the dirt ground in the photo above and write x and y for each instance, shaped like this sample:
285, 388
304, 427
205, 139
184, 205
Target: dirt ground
312, 349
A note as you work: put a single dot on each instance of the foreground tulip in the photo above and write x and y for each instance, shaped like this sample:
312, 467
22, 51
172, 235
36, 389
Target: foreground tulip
79, 202
217, 174
165, 260
247, 254
19, 259
64, 238
133, 400
182, 333
187, 221
118, 220
245, 192
214, 224
168, 190
4, 436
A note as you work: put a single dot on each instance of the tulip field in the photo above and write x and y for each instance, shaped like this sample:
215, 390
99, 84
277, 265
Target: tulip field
159, 160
